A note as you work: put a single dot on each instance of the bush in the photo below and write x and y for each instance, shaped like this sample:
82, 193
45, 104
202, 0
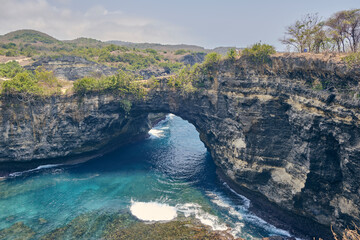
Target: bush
211, 60
122, 83
11, 53
86, 84
152, 51
180, 52
171, 67
231, 54
23, 83
352, 60
10, 69
259, 53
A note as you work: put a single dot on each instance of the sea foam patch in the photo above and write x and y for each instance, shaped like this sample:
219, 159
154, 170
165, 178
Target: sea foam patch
153, 211
156, 133
193, 209
17, 174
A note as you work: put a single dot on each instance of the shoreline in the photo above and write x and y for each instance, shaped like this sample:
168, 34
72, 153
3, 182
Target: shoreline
297, 225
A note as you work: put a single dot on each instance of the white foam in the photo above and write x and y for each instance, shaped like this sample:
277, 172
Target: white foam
246, 200
17, 174
156, 133
245, 215
265, 225
223, 203
153, 211
192, 209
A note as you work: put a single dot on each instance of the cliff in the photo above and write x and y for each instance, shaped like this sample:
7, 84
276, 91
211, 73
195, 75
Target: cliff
287, 131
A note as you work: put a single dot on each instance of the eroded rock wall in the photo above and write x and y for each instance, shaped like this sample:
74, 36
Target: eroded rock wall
273, 131
65, 126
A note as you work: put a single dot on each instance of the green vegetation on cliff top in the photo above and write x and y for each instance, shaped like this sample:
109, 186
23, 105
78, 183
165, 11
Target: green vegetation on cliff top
187, 80
26, 83
121, 83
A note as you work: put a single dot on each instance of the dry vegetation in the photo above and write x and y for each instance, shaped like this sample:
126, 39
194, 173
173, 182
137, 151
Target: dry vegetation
349, 234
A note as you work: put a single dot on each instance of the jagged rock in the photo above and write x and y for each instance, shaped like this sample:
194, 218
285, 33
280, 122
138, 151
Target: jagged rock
72, 67
153, 71
193, 58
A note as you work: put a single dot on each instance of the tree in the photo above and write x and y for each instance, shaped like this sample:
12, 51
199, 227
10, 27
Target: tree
344, 29
337, 30
301, 34
353, 28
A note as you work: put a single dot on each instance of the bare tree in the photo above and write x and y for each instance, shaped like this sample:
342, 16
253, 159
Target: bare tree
353, 28
344, 29
302, 33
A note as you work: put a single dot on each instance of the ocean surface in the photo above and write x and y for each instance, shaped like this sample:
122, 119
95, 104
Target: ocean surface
167, 175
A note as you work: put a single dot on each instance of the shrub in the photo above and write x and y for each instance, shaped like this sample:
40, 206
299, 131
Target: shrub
152, 51
86, 84
10, 69
125, 105
349, 234
11, 53
153, 82
180, 52
23, 83
212, 58
122, 83
171, 67
231, 54
352, 59
259, 53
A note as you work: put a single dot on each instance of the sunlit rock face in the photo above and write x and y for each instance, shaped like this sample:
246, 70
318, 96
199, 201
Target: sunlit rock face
269, 129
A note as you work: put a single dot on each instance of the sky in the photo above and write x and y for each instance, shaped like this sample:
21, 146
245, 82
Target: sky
207, 23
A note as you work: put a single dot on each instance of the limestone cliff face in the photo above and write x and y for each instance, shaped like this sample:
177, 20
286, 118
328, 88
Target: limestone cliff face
61, 127
270, 128
273, 132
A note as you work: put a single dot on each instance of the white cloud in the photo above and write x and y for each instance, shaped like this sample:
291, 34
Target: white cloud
96, 22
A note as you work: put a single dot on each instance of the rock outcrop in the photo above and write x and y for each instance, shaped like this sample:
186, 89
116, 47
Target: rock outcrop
270, 128
193, 58
72, 67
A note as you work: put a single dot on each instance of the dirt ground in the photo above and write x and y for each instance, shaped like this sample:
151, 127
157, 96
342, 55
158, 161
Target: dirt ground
22, 60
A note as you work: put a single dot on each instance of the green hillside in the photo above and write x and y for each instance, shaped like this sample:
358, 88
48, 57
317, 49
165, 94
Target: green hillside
27, 37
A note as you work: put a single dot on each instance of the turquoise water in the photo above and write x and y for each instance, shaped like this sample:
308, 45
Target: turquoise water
172, 168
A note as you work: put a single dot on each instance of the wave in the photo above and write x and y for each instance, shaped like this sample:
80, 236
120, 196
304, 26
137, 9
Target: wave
153, 211
156, 211
245, 200
245, 215
156, 133
195, 210
255, 219
265, 225
17, 174
223, 203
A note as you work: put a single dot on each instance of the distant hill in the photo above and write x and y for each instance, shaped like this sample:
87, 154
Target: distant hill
159, 47
28, 36
222, 50
33, 37
90, 42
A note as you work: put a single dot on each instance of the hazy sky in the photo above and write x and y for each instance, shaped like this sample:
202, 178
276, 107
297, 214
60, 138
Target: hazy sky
208, 23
